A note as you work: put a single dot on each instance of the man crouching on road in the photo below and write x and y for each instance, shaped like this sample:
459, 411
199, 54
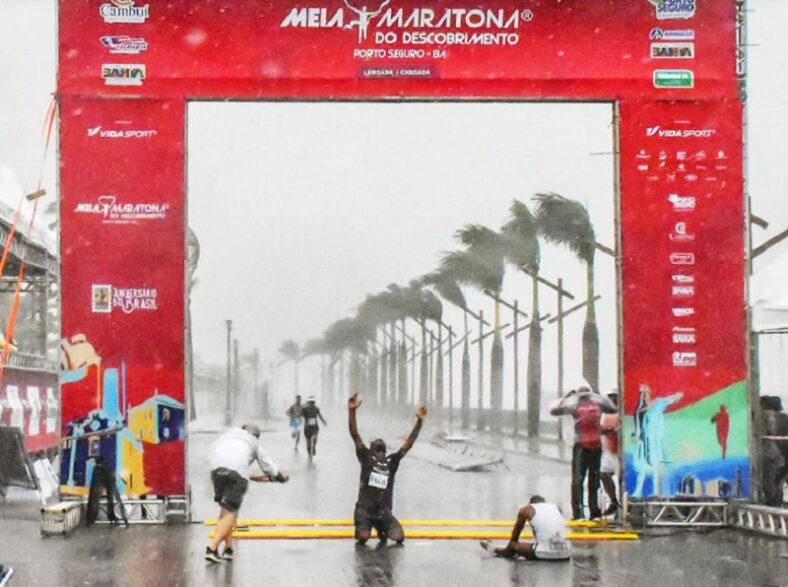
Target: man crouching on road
231, 456
376, 485
549, 533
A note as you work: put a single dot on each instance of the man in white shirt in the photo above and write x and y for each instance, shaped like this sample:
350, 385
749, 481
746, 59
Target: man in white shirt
549, 533
231, 457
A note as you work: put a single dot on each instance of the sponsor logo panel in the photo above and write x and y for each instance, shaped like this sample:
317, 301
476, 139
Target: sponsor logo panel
673, 50
106, 298
124, 11
100, 132
124, 45
112, 211
660, 34
683, 79
123, 74
675, 9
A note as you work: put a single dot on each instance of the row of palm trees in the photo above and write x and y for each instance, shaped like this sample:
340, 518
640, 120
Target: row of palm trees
379, 355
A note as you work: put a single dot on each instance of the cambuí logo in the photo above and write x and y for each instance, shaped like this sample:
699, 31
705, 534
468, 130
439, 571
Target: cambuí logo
124, 11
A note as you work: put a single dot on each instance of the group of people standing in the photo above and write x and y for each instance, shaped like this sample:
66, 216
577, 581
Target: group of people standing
595, 451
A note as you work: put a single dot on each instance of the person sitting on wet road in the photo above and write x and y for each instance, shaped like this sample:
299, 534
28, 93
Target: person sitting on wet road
231, 456
549, 533
311, 413
376, 484
586, 408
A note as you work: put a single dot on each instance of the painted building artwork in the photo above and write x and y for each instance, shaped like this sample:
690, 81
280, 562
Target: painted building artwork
123, 436
688, 450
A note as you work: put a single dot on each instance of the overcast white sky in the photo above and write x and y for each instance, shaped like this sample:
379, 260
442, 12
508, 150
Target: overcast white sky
376, 190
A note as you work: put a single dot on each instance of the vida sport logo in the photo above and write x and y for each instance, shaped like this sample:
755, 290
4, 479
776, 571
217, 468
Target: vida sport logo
387, 25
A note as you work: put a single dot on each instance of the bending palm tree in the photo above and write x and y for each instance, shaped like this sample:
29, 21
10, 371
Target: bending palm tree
448, 289
446, 285
566, 222
482, 265
522, 238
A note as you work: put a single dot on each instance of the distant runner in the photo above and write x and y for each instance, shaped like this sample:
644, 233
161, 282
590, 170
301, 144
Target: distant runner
231, 456
294, 413
549, 534
311, 413
376, 484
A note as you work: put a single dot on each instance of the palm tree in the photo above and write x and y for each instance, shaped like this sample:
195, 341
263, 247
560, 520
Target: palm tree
566, 222
522, 237
291, 352
481, 265
446, 286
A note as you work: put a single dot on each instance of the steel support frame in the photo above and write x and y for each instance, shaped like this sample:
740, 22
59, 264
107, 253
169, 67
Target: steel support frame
160, 510
675, 513
761, 519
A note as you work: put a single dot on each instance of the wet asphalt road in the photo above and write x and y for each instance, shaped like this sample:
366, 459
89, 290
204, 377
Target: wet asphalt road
161, 555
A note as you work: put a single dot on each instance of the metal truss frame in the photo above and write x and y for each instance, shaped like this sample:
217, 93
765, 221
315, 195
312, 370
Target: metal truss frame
160, 510
761, 519
701, 514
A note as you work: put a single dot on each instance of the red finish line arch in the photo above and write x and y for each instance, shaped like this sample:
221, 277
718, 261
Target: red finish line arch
128, 68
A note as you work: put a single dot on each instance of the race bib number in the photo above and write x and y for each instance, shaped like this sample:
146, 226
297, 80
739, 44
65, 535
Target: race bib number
311, 421
558, 545
378, 481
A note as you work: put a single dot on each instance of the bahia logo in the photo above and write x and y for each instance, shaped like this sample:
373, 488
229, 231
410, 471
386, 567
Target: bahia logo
123, 74
124, 11
674, 9
679, 133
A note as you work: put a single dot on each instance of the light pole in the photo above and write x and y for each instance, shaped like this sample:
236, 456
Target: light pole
228, 409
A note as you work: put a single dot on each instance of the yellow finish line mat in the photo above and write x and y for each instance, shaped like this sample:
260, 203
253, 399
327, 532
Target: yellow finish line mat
439, 523
415, 529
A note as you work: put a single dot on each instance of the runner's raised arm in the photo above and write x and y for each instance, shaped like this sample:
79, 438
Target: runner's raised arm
352, 405
421, 413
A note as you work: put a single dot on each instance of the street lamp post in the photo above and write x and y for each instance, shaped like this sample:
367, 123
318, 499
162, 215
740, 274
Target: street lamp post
228, 409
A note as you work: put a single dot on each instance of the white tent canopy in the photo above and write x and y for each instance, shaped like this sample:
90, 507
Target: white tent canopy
769, 296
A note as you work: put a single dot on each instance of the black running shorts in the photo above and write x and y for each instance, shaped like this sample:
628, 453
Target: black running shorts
229, 488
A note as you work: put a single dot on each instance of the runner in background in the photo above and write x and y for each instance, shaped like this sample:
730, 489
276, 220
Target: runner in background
610, 465
549, 534
294, 413
310, 414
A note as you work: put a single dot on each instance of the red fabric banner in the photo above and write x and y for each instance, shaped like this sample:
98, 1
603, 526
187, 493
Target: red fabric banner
122, 269
571, 49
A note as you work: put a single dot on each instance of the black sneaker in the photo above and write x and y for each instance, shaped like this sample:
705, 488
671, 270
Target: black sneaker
212, 555
611, 509
5, 575
227, 554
